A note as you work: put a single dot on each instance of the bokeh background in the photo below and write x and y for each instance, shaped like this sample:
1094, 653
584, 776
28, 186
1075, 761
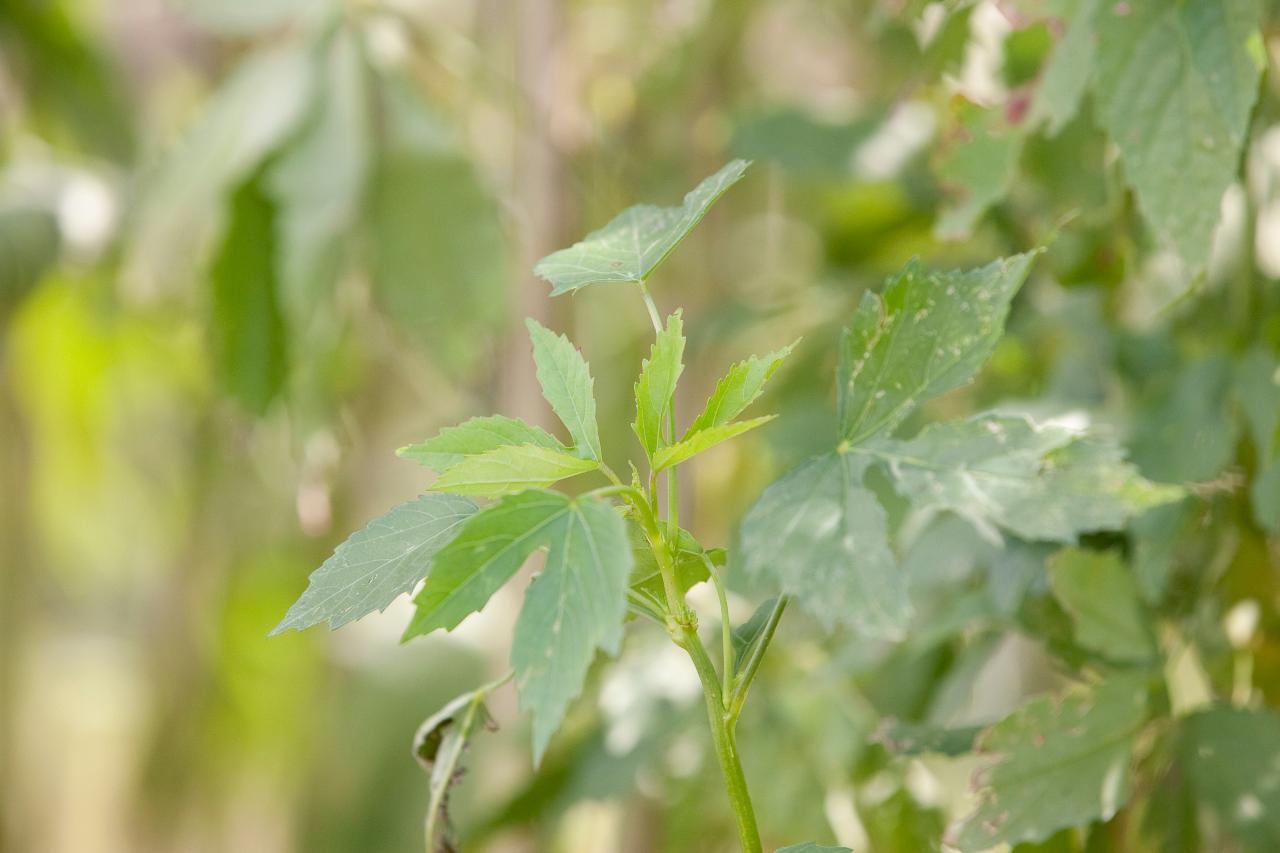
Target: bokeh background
250, 247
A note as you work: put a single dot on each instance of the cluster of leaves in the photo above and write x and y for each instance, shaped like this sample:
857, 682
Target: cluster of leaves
310, 160
819, 535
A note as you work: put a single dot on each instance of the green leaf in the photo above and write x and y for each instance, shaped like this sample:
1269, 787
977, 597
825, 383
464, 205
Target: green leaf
1265, 496
318, 182
1175, 86
377, 564
490, 548
511, 469
905, 738
647, 576
567, 385
1066, 77
739, 388
694, 443
250, 350
812, 847
1232, 756
635, 241
29, 245
823, 537
657, 383
438, 248
1004, 471
1100, 593
978, 167
1060, 762
473, 437
1187, 432
748, 633
258, 106
927, 334
574, 607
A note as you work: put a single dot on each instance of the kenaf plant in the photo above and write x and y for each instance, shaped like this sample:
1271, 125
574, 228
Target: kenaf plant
819, 535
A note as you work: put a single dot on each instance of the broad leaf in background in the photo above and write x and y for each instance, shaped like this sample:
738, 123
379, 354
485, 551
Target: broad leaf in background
567, 385
318, 182
1187, 433
928, 333
438, 248
811, 847
978, 165
1061, 762
694, 443
905, 738
474, 437
1179, 116
375, 565
1258, 391
657, 383
1232, 756
635, 241
511, 469
1065, 79
574, 607
250, 349
1040, 482
1100, 594
739, 388
488, 550
823, 538
253, 112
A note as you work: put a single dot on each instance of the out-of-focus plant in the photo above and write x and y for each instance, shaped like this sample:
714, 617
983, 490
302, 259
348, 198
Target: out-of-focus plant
819, 535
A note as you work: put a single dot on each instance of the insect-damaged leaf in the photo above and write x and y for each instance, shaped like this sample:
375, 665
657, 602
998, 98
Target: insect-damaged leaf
1232, 756
823, 538
380, 562
657, 382
1040, 482
1060, 762
511, 469
473, 437
635, 241
927, 333
567, 385
573, 607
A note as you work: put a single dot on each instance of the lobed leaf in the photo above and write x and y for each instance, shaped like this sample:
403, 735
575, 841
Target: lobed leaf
657, 382
474, 437
567, 385
574, 607
1040, 482
695, 443
375, 565
738, 389
511, 469
823, 537
636, 241
1060, 762
928, 333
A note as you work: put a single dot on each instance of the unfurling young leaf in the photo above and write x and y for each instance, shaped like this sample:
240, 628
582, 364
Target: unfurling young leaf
474, 437
694, 443
738, 389
375, 565
567, 385
1059, 762
928, 333
657, 383
511, 469
635, 241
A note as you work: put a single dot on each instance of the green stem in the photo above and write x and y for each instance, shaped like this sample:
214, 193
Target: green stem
726, 629
654, 316
726, 745
742, 681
